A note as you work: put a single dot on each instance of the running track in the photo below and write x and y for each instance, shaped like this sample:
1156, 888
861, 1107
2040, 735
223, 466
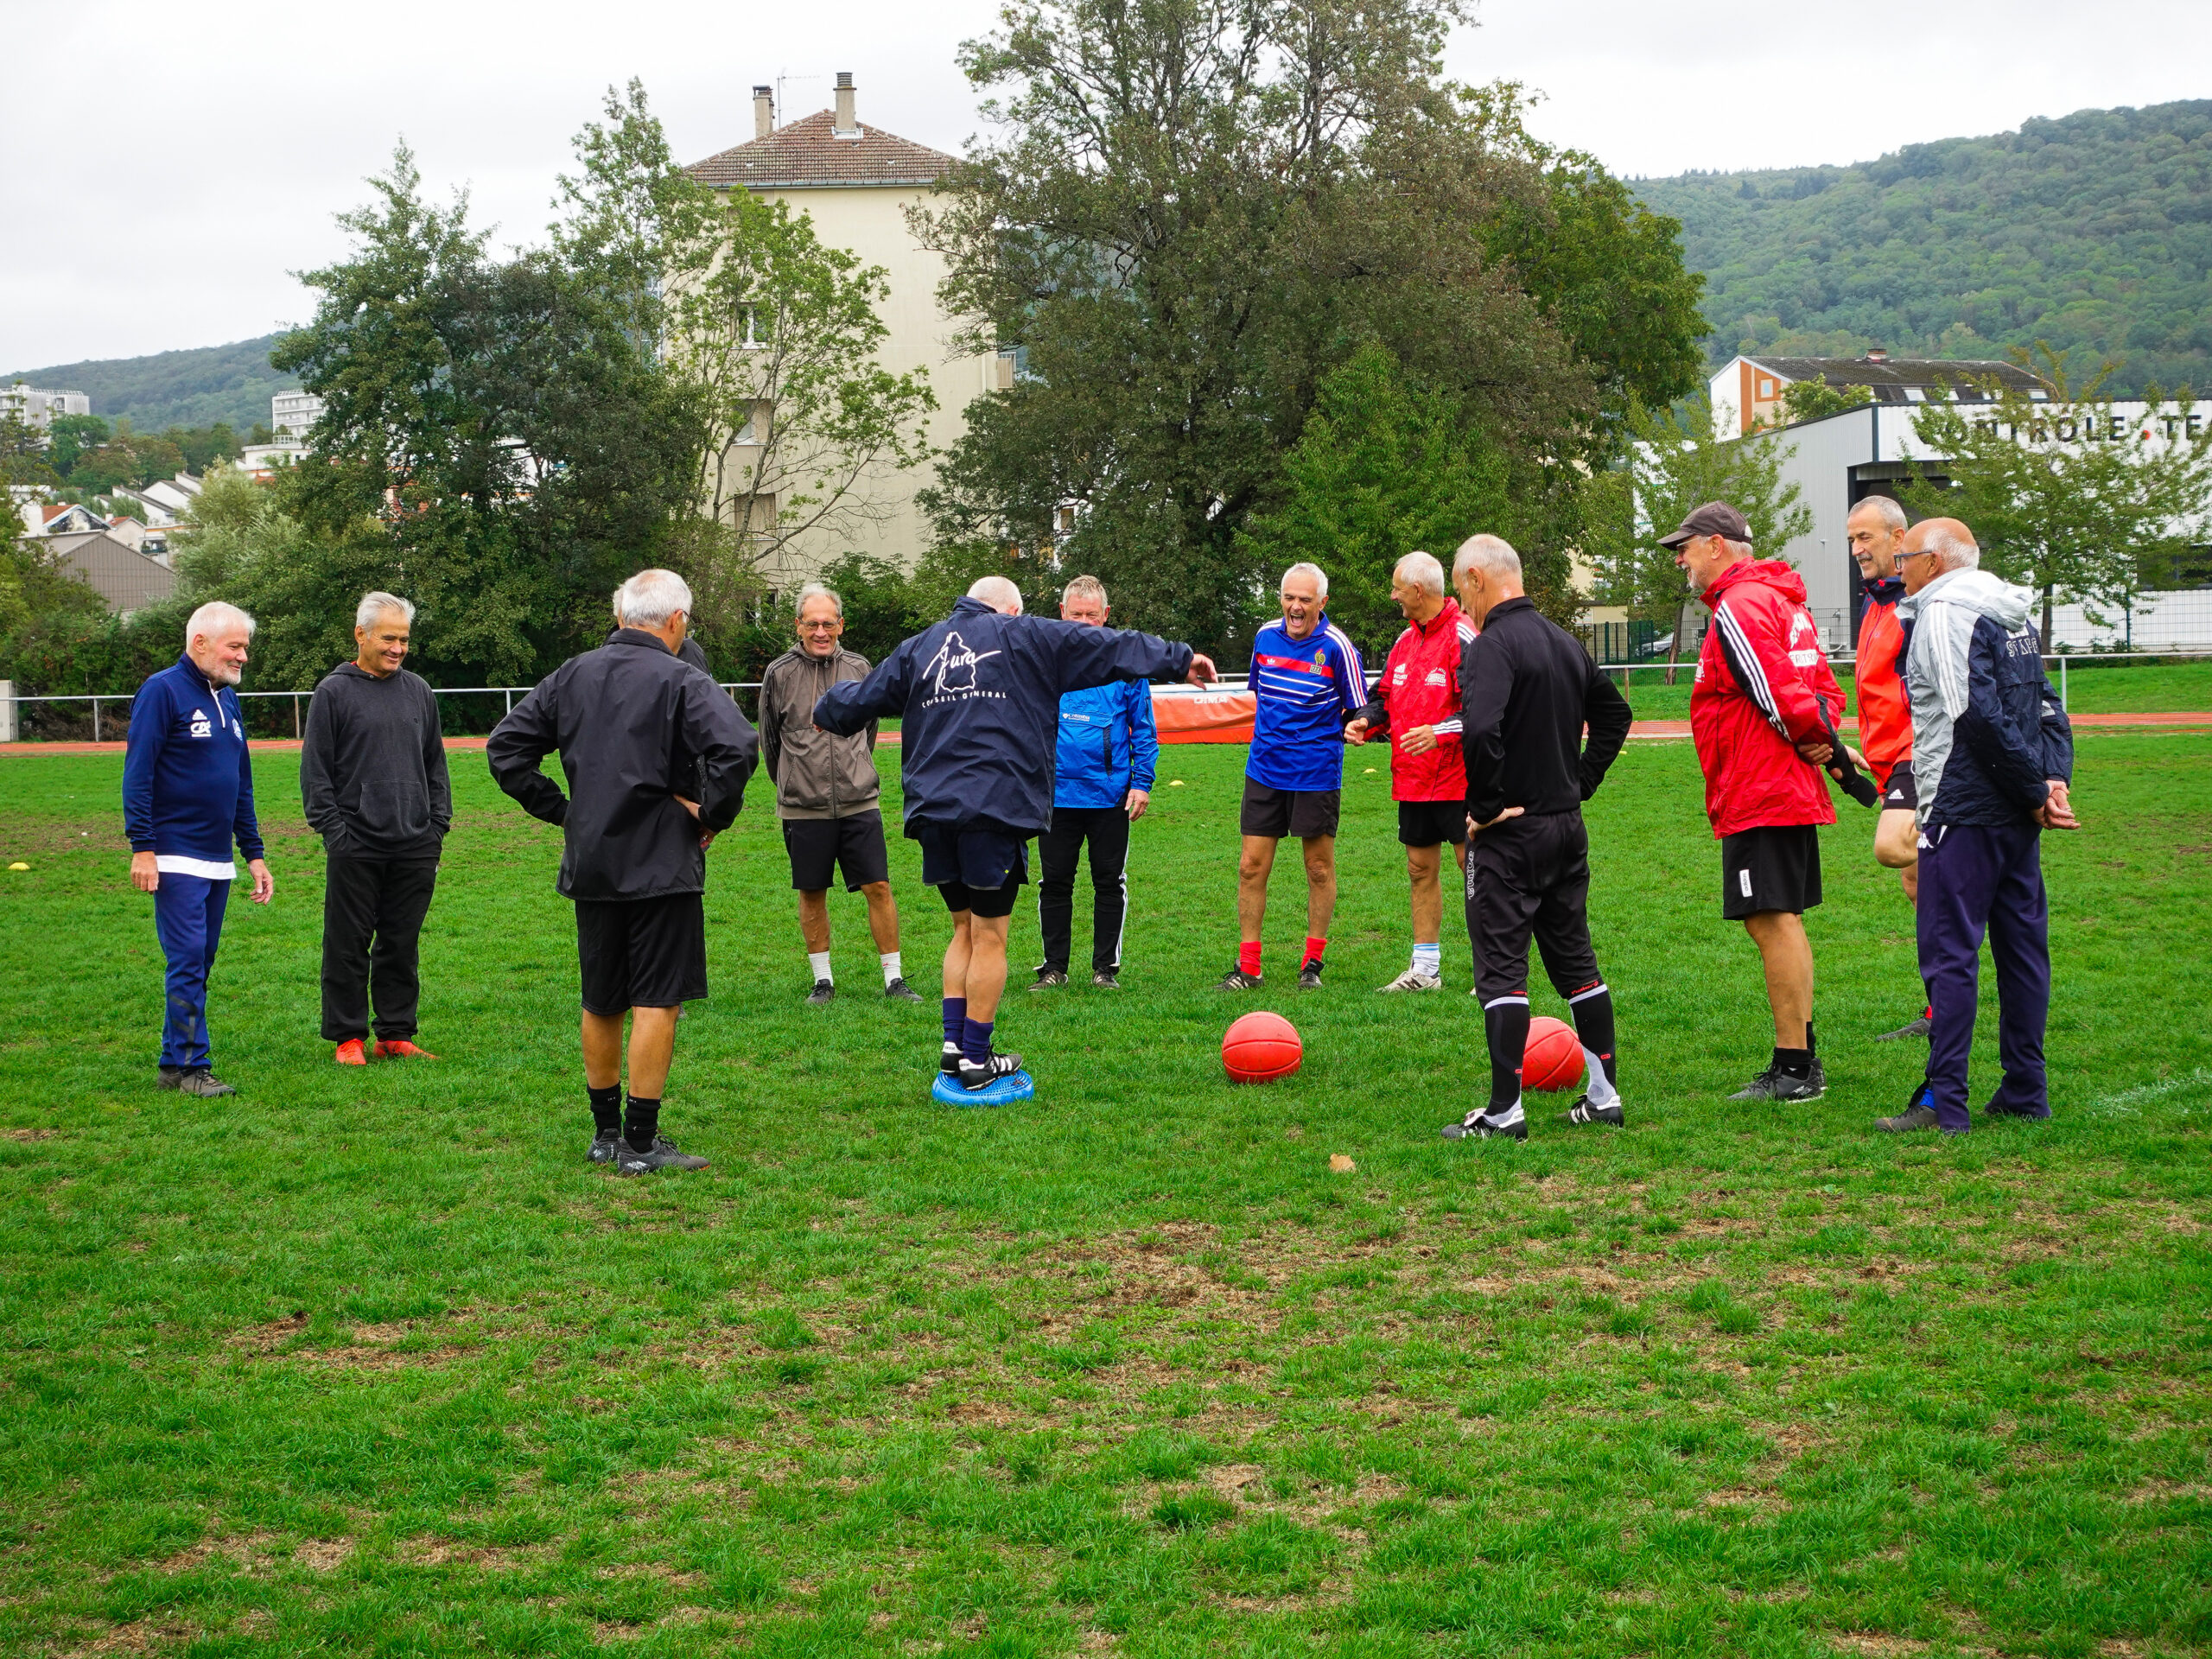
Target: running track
1649, 730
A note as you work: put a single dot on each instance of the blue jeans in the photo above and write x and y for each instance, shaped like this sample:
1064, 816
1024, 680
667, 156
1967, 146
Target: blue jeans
1976, 878
188, 919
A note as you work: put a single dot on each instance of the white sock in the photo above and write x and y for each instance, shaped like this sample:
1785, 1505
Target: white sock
1504, 1119
819, 962
891, 969
1429, 959
1595, 1082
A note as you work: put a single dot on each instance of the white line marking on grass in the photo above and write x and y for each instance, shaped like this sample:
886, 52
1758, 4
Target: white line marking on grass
2128, 1103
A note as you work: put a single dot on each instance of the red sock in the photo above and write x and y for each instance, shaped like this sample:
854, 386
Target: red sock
1315, 947
1248, 957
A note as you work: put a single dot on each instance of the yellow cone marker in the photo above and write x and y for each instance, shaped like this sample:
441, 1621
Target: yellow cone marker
19, 865
1340, 1163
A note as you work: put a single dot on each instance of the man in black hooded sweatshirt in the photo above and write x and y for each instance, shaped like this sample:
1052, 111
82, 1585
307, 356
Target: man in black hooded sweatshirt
372, 777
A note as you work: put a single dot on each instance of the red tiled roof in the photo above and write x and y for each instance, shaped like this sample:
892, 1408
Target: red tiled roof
805, 154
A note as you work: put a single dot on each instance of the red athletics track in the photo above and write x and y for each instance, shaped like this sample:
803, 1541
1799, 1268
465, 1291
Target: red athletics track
1649, 730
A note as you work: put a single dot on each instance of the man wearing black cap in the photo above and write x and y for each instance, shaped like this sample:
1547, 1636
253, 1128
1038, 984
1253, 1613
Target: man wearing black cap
1763, 711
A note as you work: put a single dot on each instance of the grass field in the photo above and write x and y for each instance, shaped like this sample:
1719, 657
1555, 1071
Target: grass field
374, 1363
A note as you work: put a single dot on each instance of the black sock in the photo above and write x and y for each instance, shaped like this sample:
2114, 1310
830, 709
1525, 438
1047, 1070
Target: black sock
1810, 1047
642, 1124
1593, 1028
1794, 1062
1506, 1025
606, 1108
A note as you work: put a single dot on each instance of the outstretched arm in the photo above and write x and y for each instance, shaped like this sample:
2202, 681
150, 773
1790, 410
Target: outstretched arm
847, 705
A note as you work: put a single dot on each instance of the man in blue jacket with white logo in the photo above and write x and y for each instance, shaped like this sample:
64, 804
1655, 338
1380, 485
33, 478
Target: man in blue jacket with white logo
1102, 775
981, 696
1993, 753
187, 794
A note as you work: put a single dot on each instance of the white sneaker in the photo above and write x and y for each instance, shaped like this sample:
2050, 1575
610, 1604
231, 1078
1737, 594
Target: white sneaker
1413, 979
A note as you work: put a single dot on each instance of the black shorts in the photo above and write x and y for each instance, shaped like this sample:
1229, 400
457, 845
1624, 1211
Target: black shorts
1279, 812
1431, 824
642, 953
1774, 867
1530, 878
1899, 792
819, 846
977, 868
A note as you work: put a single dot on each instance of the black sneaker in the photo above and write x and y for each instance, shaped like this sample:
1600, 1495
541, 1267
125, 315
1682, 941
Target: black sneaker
899, 991
1583, 1112
948, 1062
1309, 974
1919, 1027
1106, 979
661, 1156
2028, 1113
194, 1080
995, 1067
1479, 1125
822, 993
1237, 980
1048, 979
1775, 1083
603, 1146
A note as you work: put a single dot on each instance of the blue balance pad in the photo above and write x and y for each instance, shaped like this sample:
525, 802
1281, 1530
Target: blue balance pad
947, 1091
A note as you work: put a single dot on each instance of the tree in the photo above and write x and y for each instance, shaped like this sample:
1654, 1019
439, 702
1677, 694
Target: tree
1810, 400
1192, 213
69, 436
1381, 469
2063, 494
769, 336
1679, 462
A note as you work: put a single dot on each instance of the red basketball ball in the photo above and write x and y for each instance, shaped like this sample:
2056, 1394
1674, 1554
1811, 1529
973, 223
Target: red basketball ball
1260, 1046
1553, 1058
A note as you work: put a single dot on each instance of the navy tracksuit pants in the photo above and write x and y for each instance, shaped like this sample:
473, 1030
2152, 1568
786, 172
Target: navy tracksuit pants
1976, 878
188, 921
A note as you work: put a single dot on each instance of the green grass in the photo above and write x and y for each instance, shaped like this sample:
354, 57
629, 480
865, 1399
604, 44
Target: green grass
2101, 688
374, 1363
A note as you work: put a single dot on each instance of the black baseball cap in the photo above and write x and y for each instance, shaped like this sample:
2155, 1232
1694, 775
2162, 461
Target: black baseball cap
1714, 519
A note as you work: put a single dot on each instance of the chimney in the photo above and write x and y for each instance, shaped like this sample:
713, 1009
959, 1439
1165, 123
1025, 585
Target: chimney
1877, 354
846, 126
764, 111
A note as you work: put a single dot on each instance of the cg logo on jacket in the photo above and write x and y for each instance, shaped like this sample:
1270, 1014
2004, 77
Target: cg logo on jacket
953, 671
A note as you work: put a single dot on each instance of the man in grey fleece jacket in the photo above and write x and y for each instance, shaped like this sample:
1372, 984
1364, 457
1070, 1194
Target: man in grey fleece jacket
828, 795
372, 776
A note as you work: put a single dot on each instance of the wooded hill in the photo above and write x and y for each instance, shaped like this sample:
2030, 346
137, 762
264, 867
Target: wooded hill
2093, 232
198, 387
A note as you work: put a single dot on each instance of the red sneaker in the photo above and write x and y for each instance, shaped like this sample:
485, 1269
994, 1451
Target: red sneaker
402, 1050
349, 1053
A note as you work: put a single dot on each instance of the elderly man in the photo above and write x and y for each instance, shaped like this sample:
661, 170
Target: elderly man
1308, 685
1531, 690
828, 793
187, 794
1763, 712
1992, 756
1874, 531
981, 694
635, 725
372, 777
1417, 703
1103, 771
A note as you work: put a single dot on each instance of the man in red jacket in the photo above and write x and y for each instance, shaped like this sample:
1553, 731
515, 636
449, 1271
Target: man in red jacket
1763, 711
1875, 531
1416, 703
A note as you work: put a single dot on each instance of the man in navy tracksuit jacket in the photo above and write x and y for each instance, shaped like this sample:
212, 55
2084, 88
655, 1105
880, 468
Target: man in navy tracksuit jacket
981, 695
187, 794
1102, 775
1992, 756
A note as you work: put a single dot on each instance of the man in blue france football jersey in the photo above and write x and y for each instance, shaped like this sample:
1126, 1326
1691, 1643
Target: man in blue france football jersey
1308, 684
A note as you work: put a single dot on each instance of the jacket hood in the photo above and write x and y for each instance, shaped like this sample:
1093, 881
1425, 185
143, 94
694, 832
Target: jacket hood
1774, 573
1884, 590
1977, 591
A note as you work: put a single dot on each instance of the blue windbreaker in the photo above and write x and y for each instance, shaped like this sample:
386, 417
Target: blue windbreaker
981, 694
1109, 745
187, 777
1306, 692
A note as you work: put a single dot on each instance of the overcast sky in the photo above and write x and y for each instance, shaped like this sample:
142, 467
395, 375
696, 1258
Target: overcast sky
161, 173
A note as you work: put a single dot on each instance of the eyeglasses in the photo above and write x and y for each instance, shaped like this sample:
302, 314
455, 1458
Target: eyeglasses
817, 628
1924, 553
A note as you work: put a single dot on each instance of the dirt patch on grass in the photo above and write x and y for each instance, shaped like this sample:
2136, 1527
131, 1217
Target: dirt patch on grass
28, 1135
140, 1635
324, 1554
425, 1550
249, 1552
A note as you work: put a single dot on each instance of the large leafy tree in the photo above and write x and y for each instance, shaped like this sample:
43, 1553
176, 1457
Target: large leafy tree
1193, 211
